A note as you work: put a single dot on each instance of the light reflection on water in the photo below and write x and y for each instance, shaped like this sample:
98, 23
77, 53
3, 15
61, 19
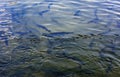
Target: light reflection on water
59, 38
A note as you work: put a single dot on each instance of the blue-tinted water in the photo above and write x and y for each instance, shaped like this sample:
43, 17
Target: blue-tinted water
59, 38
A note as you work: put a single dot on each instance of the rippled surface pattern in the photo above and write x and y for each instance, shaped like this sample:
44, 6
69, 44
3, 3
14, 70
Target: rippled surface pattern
59, 38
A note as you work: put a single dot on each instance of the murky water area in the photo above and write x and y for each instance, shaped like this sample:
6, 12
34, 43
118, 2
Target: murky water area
59, 38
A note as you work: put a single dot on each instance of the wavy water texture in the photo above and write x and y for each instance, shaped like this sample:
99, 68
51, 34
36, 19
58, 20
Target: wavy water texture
59, 38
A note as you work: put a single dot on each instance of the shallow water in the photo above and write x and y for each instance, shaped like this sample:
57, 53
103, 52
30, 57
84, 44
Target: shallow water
59, 38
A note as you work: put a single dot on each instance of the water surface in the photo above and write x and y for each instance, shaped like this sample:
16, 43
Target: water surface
59, 38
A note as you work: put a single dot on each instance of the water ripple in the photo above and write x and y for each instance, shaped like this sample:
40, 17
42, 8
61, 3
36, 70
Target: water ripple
59, 38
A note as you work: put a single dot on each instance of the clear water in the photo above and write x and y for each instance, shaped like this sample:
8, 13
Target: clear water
59, 38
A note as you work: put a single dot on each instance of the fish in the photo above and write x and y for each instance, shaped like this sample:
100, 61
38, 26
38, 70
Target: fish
77, 13
43, 27
42, 12
1, 33
49, 6
56, 34
50, 0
